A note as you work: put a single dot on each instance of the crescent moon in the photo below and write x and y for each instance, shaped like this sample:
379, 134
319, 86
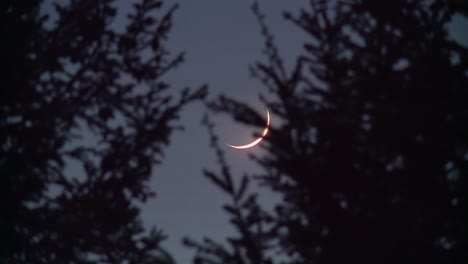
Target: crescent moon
255, 142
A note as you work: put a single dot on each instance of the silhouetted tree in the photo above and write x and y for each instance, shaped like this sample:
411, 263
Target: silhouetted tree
370, 146
84, 117
249, 219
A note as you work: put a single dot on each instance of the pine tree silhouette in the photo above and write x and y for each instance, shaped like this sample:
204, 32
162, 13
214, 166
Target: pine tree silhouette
68, 81
371, 154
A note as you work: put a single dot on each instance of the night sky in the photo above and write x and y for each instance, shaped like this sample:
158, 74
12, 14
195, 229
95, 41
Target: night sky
221, 39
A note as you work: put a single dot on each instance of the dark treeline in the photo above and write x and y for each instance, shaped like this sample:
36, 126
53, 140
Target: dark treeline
370, 159
72, 77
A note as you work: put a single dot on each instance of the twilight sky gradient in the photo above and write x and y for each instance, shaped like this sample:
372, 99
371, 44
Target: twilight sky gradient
221, 38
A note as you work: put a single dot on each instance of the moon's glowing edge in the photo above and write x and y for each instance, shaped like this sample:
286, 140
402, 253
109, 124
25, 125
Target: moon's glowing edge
255, 142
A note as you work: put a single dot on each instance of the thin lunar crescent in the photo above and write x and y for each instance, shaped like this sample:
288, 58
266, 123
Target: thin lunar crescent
255, 142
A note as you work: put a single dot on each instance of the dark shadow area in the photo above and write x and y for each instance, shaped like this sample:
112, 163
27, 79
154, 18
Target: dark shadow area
371, 156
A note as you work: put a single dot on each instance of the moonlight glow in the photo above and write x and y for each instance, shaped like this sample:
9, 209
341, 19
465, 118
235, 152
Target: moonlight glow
255, 142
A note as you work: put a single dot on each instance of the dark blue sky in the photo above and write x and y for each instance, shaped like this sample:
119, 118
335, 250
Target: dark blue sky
221, 39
